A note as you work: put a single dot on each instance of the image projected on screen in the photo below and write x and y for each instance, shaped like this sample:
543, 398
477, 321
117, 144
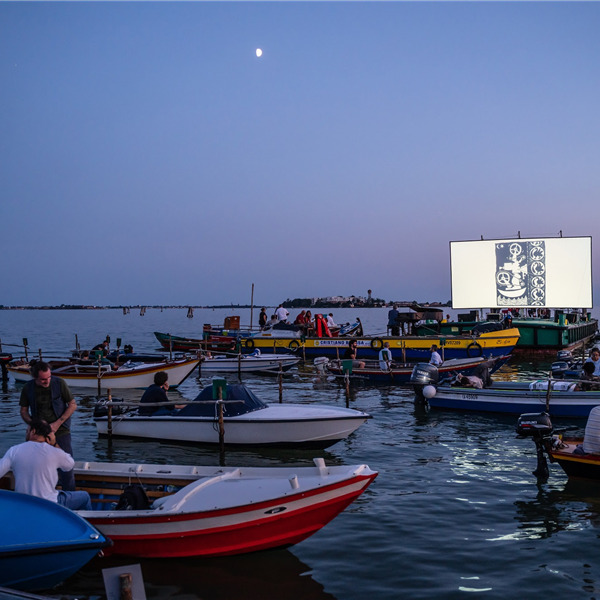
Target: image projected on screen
521, 273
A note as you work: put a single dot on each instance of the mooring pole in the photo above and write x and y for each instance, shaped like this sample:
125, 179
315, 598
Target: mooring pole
280, 383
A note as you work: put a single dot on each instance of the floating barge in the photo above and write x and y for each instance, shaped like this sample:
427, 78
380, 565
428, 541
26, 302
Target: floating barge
563, 332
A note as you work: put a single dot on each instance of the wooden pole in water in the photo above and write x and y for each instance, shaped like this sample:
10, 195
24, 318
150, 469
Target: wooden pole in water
548, 392
221, 422
280, 383
251, 306
109, 417
125, 586
25, 347
240, 362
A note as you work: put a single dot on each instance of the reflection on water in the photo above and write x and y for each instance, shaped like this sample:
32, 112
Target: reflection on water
260, 576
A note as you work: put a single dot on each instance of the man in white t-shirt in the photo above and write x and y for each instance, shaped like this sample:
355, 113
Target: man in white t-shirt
436, 359
34, 465
281, 313
595, 359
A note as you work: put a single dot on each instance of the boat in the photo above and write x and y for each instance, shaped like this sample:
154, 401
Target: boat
404, 348
248, 363
247, 421
127, 375
42, 543
578, 456
560, 398
402, 373
214, 511
563, 331
211, 343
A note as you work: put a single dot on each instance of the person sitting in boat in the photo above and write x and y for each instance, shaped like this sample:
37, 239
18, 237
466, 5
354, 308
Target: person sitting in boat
436, 359
385, 357
350, 353
309, 325
157, 392
85, 359
330, 322
471, 381
102, 346
595, 360
262, 318
301, 318
589, 380
35, 463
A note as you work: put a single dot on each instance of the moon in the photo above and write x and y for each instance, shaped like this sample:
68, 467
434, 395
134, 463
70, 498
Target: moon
258, 52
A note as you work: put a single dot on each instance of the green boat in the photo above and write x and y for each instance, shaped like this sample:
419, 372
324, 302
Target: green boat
562, 331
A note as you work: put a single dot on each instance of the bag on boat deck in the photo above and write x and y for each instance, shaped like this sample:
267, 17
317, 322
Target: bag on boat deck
133, 498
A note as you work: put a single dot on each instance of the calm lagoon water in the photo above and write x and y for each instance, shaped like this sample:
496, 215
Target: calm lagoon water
454, 513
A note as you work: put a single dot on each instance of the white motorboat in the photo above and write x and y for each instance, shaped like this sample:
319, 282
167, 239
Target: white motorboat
248, 363
247, 420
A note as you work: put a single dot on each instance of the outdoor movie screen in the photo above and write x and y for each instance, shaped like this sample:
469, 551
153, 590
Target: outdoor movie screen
532, 272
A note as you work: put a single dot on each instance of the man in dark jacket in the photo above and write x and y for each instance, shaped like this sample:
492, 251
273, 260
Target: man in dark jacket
49, 399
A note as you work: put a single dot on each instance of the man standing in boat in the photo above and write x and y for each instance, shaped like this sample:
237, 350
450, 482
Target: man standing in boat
49, 399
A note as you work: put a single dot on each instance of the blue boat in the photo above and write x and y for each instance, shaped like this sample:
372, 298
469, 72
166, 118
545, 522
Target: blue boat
563, 399
42, 543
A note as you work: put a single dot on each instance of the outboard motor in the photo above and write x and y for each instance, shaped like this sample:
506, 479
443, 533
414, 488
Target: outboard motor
559, 368
539, 427
424, 379
565, 355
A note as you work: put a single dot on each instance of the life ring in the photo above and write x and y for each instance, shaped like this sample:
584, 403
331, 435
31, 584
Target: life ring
377, 344
478, 350
249, 343
293, 345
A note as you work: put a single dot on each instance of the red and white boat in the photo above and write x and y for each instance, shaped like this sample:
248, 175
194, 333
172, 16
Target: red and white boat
216, 511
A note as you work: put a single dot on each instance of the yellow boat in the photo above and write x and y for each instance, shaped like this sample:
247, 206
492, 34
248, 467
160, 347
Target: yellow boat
404, 348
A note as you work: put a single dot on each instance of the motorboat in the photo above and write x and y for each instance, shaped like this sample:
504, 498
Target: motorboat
126, 376
579, 457
42, 543
248, 363
401, 373
560, 398
246, 420
164, 511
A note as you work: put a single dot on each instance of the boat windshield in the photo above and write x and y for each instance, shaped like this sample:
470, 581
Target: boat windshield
205, 407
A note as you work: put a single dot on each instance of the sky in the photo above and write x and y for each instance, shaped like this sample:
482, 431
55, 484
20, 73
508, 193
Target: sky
148, 156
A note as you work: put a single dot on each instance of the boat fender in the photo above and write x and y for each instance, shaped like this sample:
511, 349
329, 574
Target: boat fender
249, 343
474, 350
376, 343
293, 345
429, 391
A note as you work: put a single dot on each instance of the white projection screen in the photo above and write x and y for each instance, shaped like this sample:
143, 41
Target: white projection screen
530, 272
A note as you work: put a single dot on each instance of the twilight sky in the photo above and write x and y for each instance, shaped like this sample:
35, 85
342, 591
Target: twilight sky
148, 156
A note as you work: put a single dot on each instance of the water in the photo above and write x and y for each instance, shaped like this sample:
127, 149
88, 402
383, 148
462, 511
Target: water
454, 513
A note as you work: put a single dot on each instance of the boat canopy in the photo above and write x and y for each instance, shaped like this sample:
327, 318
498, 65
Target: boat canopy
206, 403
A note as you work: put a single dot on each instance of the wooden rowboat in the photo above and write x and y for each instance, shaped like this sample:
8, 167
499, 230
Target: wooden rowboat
216, 511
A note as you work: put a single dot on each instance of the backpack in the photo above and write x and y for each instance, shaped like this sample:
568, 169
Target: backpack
133, 498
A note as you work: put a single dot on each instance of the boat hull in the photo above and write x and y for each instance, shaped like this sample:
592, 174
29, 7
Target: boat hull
276, 425
541, 335
402, 374
411, 349
249, 364
515, 402
44, 546
142, 376
263, 508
